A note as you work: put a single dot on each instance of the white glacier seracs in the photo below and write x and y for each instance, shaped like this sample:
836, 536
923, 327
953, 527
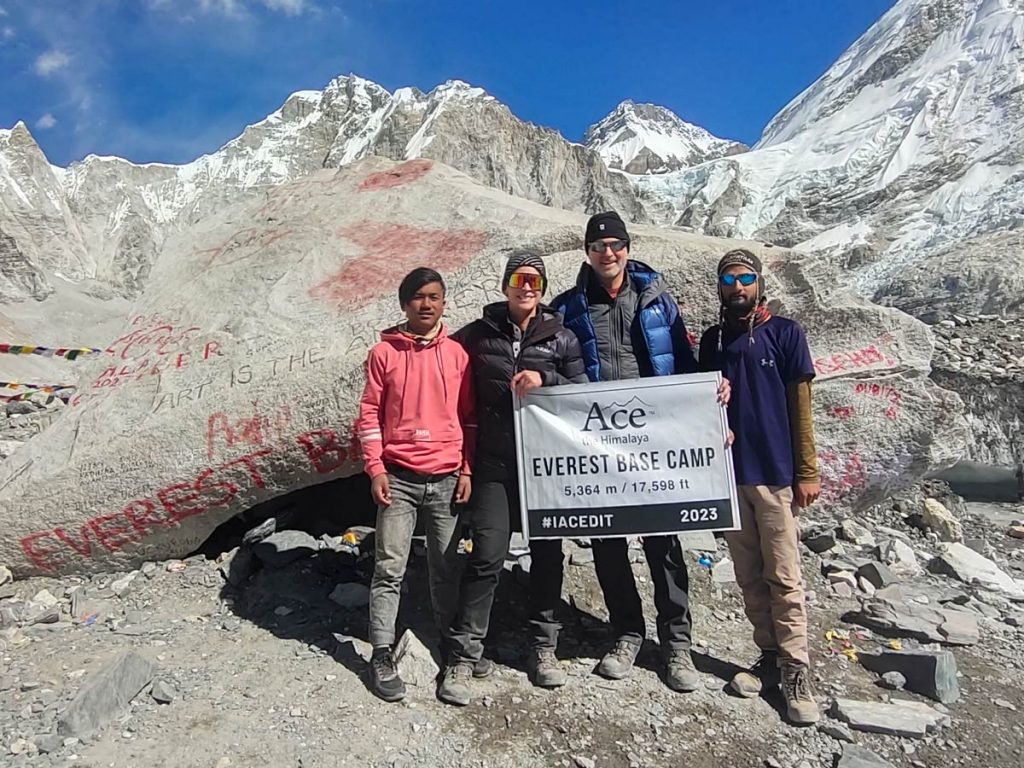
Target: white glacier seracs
912, 142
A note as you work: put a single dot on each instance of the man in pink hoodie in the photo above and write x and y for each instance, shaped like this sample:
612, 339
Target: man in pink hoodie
417, 427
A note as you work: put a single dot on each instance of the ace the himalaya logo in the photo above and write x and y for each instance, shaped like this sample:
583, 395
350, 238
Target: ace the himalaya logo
611, 424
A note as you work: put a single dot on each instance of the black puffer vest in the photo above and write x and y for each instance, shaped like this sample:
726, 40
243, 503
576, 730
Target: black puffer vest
498, 351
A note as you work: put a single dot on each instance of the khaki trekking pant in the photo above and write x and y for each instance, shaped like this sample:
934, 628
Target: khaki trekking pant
767, 561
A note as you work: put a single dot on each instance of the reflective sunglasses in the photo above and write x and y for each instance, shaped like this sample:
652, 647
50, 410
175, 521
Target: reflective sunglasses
745, 278
528, 281
600, 247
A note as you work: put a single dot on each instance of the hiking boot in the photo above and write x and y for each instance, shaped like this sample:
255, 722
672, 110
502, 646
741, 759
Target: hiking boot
616, 663
801, 708
483, 668
680, 674
385, 682
545, 671
762, 675
454, 687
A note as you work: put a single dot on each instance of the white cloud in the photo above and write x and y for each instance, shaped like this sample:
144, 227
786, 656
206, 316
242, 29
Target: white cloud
2, 11
289, 7
46, 122
7, 33
50, 62
235, 8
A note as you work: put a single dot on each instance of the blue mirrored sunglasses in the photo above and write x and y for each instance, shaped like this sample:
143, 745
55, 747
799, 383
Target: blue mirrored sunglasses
745, 278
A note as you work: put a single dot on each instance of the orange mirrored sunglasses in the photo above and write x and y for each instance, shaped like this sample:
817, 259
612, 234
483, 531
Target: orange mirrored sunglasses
521, 280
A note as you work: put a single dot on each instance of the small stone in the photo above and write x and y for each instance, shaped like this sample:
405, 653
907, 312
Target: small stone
820, 542
231, 624
858, 757
698, 541
260, 532
856, 533
20, 746
584, 762
1004, 704
238, 565
48, 742
121, 586
415, 661
866, 586
283, 610
283, 547
5, 575
351, 595
30, 685
939, 519
724, 572
44, 598
163, 692
878, 574
106, 696
771, 762
837, 731
900, 557
582, 557
894, 681
899, 718
295, 712
843, 590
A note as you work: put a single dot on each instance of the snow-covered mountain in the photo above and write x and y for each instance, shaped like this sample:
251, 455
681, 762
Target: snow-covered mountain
104, 219
646, 138
904, 162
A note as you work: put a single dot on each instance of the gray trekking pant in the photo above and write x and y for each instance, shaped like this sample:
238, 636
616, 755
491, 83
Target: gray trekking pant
395, 526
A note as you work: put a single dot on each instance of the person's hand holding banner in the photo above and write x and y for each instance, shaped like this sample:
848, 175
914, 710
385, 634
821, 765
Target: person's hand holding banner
524, 381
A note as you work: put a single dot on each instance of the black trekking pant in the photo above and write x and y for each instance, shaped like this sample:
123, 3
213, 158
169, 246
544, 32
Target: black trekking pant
493, 515
671, 589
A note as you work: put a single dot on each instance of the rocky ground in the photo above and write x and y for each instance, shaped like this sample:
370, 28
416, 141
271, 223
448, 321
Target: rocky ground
20, 420
254, 658
981, 358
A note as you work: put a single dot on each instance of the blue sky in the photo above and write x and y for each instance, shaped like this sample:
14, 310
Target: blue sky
167, 80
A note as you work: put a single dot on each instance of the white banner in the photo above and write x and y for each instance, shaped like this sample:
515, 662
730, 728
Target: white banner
625, 458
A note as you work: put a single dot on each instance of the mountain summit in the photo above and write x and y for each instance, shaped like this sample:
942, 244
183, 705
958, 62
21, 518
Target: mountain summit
646, 138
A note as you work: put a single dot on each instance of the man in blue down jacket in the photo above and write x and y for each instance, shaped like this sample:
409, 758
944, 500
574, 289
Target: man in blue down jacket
629, 327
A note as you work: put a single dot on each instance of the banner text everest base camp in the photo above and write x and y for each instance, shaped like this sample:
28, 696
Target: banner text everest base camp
625, 458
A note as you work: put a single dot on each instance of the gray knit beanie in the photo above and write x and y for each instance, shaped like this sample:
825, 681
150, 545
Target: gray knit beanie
524, 259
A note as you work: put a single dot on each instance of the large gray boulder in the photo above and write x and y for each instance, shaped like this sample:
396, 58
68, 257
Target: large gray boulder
237, 375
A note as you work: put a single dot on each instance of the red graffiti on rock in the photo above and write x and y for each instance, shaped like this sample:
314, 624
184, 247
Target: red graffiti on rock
858, 359
391, 250
405, 173
155, 345
841, 412
840, 475
214, 487
247, 242
255, 430
883, 392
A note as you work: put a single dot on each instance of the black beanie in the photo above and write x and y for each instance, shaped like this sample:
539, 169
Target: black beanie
743, 258
608, 224
524, 259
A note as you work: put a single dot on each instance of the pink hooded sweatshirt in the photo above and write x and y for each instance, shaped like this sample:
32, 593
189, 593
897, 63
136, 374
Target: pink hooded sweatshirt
418, 409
